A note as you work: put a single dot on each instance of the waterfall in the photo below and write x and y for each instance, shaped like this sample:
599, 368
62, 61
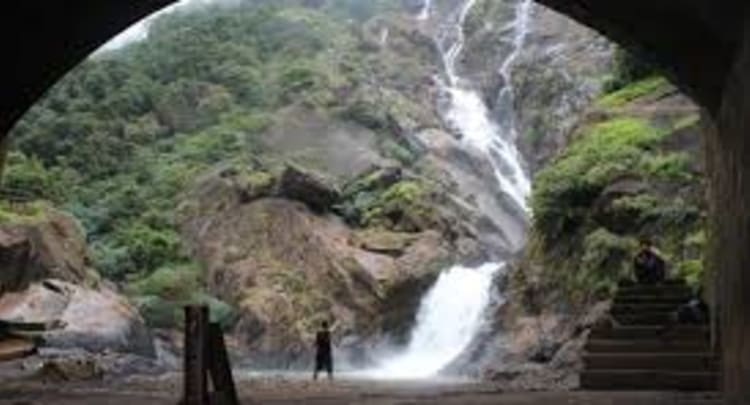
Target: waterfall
453, 311
424, 14
450, 315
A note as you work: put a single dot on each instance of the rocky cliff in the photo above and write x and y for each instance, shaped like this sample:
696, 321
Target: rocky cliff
286, 260
633, 169
47, 279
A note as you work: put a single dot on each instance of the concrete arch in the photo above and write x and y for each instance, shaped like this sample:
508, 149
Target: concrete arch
42, 41
703, 44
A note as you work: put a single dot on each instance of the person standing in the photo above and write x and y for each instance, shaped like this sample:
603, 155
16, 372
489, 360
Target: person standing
323, 354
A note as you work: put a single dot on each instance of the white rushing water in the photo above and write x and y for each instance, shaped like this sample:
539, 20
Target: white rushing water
453, 311
469, 115
447, 320
424, 14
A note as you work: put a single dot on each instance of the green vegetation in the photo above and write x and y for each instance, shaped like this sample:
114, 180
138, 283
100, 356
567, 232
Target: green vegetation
635, 91
619, 180
404, 207
162, 296
629, 68
565, 191
120, 139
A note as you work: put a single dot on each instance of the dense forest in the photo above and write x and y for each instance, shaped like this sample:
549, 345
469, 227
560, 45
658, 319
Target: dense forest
122, 136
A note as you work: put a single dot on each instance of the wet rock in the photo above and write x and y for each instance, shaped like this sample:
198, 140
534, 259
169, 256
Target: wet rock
309, 187
381, 241
97, 320
545, 351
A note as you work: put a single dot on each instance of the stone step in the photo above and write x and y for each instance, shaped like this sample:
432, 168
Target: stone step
651, 332
647, 346
652, 361
654, 290
607, 380
621, 308
651, 299
670, 282
645, 318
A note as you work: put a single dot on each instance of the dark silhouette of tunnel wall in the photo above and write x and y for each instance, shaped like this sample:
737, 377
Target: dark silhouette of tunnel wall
41, 40
703, 45
729, 164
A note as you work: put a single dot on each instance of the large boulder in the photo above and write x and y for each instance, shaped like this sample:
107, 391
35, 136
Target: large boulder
286, 268
97, 320
308, 187
50, 244
47, 277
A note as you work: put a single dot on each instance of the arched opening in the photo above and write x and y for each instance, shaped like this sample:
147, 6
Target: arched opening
707, 85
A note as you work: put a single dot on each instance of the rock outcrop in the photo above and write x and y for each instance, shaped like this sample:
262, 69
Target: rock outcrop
96, 320
557, 75
287, 267
49, 245
308, 187
47, 278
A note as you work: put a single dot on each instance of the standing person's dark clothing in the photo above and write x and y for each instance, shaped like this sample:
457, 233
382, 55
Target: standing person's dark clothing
649, 266
323, 355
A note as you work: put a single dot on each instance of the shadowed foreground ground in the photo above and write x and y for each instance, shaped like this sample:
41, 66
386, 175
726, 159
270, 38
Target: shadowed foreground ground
295, 391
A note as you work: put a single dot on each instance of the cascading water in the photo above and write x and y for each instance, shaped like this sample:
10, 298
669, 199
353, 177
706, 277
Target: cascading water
452, 312
469, 115
424, 14
448, 319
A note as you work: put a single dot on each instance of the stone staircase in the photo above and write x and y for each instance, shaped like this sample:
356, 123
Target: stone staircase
636, 354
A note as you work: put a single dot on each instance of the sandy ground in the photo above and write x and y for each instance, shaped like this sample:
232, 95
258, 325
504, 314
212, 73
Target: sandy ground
296, 390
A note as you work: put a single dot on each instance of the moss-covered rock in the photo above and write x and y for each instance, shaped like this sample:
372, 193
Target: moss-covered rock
309, 187
626, 175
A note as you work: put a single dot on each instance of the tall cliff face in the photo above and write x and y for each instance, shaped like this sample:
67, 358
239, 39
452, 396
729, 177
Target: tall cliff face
559, 73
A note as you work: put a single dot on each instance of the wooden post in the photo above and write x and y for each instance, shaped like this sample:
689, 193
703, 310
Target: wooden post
195, 384
206, 352
221, 372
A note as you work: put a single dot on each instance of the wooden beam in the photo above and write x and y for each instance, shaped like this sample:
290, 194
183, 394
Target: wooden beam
221, 372
195, 383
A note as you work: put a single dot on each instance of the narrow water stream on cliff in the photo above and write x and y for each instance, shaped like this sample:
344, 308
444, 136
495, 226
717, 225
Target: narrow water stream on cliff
453, 311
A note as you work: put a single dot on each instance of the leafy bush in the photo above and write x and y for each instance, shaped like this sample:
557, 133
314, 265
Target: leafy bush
565, 190
405, 206
149, 248
175, 283
162, 295
669, 167
634, 91
28, 176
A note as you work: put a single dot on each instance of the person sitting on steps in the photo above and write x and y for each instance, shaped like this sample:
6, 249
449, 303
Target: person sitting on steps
648, 264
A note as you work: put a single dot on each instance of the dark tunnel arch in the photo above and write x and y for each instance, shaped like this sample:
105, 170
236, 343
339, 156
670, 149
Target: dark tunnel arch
693, 41
41, 43
703, 45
